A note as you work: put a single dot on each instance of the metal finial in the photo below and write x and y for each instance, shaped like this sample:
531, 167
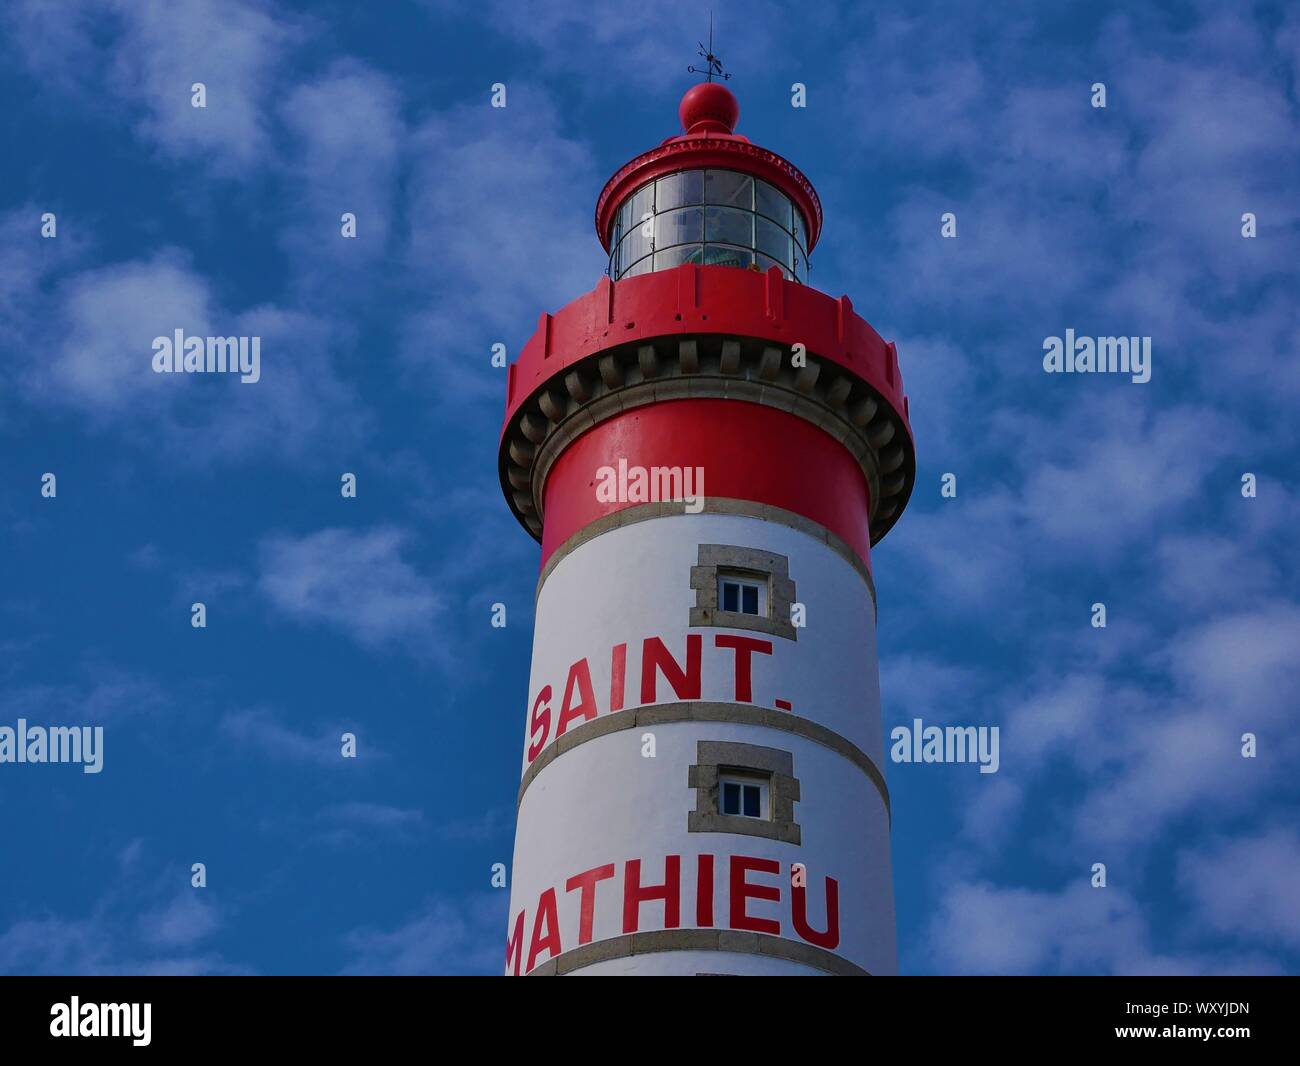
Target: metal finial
713, 65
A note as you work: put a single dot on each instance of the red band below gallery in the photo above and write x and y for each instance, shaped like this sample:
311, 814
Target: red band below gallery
745, 451
732, 911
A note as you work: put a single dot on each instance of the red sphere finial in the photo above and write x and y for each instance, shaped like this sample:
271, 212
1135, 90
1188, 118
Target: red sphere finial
709, 108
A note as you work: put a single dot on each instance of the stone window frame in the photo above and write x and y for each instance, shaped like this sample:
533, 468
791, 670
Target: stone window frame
715, 758
774, 568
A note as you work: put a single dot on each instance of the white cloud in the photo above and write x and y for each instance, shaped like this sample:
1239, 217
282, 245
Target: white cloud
920, 686
130, 928
1206, 571
1151, 756
530, 192
96, 359
183, 922
464, 936
348, 137
357, 583
148, 55
261, 729
981, 928
100, 694
110, 317
1248, 887
639, 46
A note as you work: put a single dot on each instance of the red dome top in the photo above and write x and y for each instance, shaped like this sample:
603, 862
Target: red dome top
709, 108
709, 114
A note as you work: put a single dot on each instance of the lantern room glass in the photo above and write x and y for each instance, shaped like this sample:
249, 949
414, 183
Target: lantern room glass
712, 217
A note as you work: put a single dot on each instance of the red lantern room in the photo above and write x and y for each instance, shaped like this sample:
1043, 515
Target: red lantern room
710, 198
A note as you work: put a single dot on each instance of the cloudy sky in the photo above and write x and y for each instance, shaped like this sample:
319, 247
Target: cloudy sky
1119, 745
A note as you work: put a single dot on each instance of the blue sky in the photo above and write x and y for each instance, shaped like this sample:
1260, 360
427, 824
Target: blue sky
1119, 745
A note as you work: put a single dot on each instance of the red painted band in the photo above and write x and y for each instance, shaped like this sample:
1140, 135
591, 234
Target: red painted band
694, 299
747, 451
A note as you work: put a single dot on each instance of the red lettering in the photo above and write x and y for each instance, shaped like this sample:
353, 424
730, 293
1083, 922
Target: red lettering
704, 892
579, 678
742, 891
799, 915
551, 941
617, 674
542, 722
655, 657
744, 647
587, 882
634, 894
515, 944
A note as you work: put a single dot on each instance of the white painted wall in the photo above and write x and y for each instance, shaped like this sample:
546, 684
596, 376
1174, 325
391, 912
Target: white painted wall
634, 582
686, 963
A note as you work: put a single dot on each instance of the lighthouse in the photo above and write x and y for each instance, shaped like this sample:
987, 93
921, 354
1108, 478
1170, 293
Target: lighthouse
707, 448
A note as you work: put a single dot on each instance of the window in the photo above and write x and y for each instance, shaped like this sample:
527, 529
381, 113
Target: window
641, 266
726, 225
641, 204
679, 190
738, 587
683, 226
771, 202
746, 223
745, 797
739, 596
730, 188
742, 595
683, 253
744, 789
772, 240
635, 245
727, 255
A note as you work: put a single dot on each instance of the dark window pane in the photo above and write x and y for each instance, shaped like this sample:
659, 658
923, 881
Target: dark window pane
643, 201
730, 798
729, 188
720, 255
765, 262
684, 226
679, 190
642, 266
800, 232
615, 260
682, 253
730, 596
724, 225
772, 203
773, 240
751, 600
635, 244
751, 801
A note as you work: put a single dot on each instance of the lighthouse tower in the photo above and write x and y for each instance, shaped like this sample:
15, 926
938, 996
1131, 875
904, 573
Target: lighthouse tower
707, 448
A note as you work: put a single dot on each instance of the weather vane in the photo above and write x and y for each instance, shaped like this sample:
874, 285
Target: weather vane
713, 66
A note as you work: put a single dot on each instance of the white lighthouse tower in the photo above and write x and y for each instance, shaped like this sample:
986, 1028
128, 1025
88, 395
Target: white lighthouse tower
707, 448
